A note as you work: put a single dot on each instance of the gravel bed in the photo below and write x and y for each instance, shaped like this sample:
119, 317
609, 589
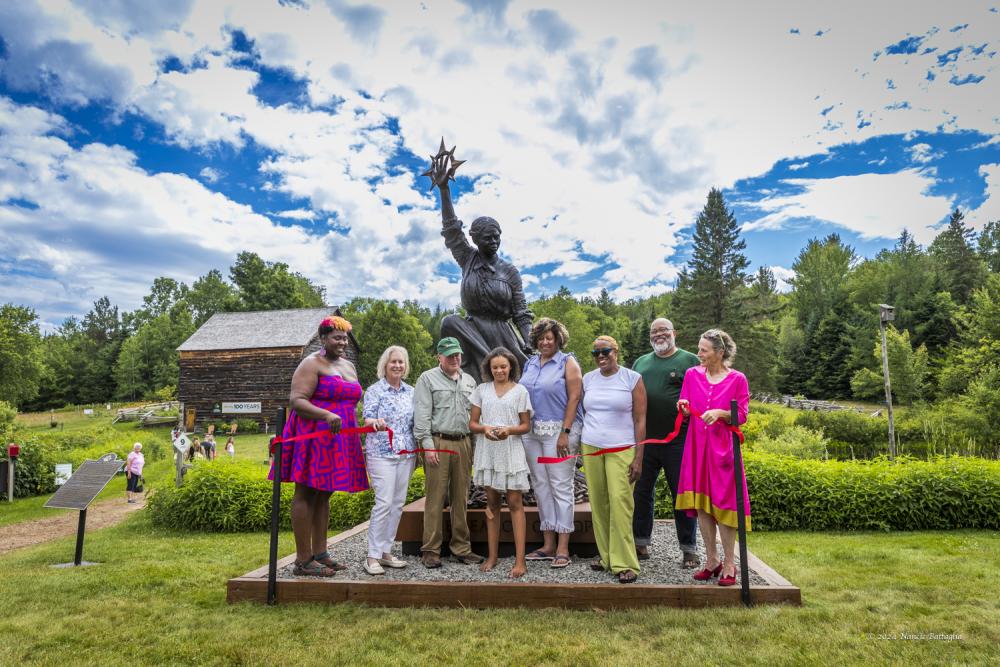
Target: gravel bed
662, 568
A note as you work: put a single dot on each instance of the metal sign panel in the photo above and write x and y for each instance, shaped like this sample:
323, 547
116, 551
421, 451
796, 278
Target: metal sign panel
84, 485
63, 473
241, 407
181, 443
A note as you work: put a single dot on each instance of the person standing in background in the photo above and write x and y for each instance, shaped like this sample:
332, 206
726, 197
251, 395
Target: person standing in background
662, 372
134, 463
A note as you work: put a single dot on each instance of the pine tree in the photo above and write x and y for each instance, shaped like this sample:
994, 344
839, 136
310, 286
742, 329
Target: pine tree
819, 283
961, 268
759, 341
707, 287
989, 245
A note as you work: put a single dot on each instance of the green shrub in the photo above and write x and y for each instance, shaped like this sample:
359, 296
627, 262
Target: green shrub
227, 496
944, 493
7, 414
36, 468
951, 426
846, 426
797, 441
246, 426
764, 422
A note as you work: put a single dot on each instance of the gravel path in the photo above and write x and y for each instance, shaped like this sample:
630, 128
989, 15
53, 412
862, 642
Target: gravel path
662, 568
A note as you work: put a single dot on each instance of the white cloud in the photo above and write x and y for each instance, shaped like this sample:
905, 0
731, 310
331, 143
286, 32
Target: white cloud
574, 268
783, 276
211, 174
871, 205
990, 208
923, 153
296, 214
593, 132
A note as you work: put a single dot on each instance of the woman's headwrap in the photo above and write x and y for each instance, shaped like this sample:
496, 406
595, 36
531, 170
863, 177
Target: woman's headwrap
335, 322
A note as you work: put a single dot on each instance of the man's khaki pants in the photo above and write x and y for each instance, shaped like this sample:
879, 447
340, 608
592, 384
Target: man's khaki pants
449, 478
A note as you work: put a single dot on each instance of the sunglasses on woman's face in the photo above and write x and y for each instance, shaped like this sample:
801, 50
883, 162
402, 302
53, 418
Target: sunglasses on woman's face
603, 352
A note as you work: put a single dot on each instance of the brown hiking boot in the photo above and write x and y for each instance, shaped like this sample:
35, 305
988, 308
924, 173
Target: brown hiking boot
468, 559
430, 560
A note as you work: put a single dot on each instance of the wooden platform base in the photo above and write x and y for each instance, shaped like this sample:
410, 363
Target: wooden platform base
253, 587
411, 530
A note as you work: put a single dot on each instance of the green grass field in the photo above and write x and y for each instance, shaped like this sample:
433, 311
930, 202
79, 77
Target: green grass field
159, 598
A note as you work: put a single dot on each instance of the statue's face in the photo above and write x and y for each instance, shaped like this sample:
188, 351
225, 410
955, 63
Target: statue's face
488, 241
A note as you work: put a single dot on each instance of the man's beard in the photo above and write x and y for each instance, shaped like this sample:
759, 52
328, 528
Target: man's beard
663, 348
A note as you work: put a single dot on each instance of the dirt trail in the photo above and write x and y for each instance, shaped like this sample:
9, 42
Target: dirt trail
99, 515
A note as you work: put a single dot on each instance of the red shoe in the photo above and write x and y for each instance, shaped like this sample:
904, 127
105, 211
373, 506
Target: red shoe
728, 579
706, 574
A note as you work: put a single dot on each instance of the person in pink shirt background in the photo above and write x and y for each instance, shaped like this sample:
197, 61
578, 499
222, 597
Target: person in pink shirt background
133, 472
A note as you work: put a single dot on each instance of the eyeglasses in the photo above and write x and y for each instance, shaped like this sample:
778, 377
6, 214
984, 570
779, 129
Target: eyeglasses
603, 352
660, 332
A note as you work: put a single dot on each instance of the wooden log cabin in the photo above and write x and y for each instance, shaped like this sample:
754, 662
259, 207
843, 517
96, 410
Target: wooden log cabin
240, 365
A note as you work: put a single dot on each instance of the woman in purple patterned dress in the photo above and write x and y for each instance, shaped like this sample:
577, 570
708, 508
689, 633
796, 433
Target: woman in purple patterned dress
325, 393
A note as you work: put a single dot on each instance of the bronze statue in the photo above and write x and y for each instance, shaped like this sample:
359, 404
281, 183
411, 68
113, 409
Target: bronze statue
492, 295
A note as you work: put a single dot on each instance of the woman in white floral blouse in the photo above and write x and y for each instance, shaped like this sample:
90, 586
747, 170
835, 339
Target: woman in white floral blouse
388, 402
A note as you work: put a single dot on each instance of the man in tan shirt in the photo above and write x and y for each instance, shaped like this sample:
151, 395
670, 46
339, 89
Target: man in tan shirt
441, 421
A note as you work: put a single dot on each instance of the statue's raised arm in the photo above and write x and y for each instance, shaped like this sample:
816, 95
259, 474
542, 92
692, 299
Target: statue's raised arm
442, 170
491, 289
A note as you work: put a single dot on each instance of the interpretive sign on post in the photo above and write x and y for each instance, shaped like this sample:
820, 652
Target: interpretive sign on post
84, 485
80, 490
63, 473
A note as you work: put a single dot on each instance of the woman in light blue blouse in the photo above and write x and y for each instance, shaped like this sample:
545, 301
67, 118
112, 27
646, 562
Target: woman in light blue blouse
554, 383
388, 402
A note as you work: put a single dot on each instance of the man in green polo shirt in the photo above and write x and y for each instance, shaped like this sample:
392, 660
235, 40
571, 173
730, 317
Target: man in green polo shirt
662, 373
441, 421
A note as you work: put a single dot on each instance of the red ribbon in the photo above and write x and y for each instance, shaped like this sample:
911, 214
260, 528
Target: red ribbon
351, 431
678, 423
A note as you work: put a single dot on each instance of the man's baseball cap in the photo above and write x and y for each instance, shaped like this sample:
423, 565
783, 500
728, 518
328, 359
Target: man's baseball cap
449, 346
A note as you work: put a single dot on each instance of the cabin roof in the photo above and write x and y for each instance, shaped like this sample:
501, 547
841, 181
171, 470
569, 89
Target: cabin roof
259, 329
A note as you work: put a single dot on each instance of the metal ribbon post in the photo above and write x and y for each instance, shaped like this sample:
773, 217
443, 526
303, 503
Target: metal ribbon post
272, 563
741, 519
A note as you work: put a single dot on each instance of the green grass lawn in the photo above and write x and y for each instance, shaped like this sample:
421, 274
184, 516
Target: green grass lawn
159, 598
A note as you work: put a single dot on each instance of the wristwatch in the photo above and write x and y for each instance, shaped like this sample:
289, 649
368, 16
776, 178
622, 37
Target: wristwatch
566, 431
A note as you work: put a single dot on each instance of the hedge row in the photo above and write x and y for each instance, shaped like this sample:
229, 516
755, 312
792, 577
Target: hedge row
948, 492
235, 496
785, 493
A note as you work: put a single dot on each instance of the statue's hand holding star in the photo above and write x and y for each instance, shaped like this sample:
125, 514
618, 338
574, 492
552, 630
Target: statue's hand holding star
443, 167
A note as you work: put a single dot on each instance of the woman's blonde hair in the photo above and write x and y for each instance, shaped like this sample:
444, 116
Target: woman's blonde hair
612, 343
383, 361
722, 343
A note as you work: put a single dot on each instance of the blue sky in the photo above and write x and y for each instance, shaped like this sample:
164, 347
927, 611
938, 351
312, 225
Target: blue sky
139, 139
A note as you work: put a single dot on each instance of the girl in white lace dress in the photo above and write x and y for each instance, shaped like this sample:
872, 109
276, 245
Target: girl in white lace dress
501, 414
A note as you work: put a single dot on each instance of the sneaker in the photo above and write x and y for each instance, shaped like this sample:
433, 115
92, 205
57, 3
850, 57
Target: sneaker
430, 560
392, 561
372, 568
468, 559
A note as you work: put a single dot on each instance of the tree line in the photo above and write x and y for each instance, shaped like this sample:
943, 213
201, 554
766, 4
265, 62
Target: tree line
820, 339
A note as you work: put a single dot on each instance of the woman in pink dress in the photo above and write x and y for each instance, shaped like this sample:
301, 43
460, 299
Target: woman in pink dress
707, 488
325, 392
